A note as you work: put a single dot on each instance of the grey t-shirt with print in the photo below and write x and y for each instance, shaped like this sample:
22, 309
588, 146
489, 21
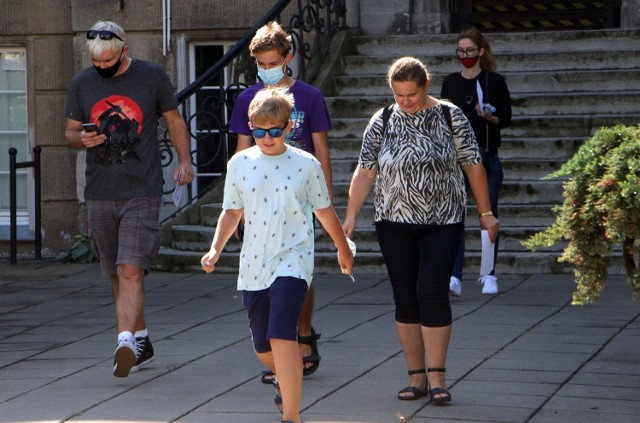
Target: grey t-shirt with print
126, 108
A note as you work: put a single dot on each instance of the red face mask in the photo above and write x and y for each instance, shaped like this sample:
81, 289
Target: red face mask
469, 62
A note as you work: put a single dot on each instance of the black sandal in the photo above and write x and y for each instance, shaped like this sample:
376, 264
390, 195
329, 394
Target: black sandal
278, 398
416, 392
267, 377
445, 395
314, 358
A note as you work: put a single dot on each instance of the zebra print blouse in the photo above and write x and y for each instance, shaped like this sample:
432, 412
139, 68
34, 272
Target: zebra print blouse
419, 165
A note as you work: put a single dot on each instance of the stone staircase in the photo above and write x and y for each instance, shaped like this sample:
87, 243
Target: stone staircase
564, 86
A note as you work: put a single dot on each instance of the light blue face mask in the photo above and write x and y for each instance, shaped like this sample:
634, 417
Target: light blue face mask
271, 76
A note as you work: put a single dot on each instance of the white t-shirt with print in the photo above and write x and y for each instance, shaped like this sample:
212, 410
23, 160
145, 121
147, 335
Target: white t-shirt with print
278, 195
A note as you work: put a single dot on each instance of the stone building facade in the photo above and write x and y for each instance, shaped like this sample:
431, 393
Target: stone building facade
42, 47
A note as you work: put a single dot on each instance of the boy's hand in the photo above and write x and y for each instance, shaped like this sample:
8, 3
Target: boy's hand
345, 260
209, 260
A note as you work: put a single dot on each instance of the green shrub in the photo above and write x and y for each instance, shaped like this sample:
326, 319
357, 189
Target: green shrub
80, 251
601, 208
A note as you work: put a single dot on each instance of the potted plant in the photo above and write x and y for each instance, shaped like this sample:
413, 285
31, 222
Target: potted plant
601, 208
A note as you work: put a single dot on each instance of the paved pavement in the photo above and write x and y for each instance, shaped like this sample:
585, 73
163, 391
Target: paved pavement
525, 355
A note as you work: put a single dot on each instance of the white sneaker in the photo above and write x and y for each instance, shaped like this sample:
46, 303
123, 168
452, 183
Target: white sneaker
124, 357
455, 287
489, 284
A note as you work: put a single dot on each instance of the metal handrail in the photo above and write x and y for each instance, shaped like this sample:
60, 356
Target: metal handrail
311, 24
13, 166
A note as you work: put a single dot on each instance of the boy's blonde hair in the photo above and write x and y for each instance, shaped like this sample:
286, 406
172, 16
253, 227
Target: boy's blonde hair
271, 104
98, 46
270, 37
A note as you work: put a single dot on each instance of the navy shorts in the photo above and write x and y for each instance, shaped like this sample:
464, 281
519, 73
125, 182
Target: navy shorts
274, 312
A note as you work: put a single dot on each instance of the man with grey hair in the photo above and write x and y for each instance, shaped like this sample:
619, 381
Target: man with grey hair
112, 111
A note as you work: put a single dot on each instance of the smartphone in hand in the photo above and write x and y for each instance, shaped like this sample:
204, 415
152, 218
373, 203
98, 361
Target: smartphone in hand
91, 127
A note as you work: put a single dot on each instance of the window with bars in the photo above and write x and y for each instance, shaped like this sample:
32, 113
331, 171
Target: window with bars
13, 128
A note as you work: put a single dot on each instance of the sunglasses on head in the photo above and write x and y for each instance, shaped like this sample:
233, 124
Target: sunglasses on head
273, 132
104, 35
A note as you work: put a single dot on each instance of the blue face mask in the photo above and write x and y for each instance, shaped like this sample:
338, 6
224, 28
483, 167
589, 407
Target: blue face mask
271, 76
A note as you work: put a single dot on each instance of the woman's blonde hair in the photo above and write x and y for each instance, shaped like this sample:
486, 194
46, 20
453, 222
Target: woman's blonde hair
407, 69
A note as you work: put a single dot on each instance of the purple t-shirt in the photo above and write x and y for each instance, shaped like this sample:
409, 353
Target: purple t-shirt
310, 114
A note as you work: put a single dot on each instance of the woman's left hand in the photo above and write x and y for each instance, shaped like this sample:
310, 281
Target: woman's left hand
491, 224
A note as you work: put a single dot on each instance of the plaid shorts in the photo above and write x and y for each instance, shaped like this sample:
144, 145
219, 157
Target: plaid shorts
124, 232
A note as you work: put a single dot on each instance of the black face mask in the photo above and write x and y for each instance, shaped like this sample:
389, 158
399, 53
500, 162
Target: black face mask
111, 70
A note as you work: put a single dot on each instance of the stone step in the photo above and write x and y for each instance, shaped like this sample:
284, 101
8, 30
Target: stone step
512, 192
505, 42
171, 260
523, 83
361, 106
509, 62
511, 215
198, 238
534, 126
518, 148
564, 86
514, 170
510, 240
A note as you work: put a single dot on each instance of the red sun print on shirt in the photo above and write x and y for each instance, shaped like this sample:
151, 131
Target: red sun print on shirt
120, 119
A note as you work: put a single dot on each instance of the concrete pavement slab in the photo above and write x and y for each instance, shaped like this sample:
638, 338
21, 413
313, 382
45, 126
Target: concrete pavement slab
525, 355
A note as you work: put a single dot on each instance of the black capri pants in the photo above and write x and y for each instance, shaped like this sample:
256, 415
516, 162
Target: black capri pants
419, 261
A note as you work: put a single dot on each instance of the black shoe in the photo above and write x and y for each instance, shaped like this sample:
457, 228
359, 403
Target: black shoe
144, 353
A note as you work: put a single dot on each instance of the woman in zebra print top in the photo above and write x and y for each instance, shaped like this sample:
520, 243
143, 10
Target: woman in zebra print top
417, 162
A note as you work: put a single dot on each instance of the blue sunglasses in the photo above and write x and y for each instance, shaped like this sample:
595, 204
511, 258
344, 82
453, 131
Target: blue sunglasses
273, 132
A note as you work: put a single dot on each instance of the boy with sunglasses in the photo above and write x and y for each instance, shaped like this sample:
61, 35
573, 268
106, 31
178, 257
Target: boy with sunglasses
113, 109
271, 47
278, 188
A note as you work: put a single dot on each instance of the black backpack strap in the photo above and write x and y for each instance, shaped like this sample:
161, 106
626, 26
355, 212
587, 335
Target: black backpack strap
386, 114
447, 115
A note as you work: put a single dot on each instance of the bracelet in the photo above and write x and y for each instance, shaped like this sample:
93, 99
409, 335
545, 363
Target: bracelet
487, 213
